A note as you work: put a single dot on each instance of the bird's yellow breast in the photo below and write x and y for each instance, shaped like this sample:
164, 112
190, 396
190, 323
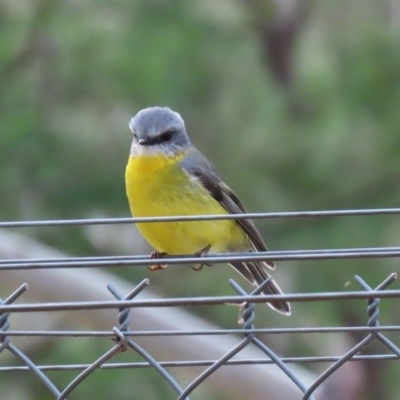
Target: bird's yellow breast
157, 186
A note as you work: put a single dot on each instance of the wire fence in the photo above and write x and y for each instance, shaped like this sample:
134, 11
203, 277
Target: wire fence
248, 334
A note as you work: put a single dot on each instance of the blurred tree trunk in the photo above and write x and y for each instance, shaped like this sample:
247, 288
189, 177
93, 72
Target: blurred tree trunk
374, 371
278, 24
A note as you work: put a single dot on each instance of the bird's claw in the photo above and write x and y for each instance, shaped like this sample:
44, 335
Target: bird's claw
201, 253
157, 267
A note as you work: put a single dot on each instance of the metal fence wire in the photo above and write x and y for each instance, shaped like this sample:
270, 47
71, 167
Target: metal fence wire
248, 334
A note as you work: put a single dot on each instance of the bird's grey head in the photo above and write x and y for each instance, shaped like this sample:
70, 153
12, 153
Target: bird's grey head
158, 130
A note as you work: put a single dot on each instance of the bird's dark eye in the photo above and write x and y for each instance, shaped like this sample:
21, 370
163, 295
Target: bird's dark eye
135, 136
167, 136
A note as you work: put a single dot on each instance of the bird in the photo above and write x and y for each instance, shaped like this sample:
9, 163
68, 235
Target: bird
167, 176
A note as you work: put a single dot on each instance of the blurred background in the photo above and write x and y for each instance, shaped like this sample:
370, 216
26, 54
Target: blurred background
296, 103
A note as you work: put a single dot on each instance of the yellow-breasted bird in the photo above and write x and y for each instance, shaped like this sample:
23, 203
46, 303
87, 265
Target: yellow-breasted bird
167, 176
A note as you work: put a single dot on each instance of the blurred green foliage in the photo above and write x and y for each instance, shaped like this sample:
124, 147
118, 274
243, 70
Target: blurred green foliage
73, 73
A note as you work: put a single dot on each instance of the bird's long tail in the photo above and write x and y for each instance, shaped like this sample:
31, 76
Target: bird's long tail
256, 274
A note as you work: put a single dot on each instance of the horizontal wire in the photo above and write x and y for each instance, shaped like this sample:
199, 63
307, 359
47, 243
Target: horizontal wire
141, 257
117, 261
290, 214
202, 363
197, 301
216, 332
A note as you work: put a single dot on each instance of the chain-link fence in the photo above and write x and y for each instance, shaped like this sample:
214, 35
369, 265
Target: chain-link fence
249, 335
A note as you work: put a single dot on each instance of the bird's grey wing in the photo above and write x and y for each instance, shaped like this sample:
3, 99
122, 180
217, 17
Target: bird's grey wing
197, 165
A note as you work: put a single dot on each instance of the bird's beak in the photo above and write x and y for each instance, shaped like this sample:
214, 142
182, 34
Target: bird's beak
145, 141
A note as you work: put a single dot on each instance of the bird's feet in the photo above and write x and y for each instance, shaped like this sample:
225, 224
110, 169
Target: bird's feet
157, 255
201, 253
